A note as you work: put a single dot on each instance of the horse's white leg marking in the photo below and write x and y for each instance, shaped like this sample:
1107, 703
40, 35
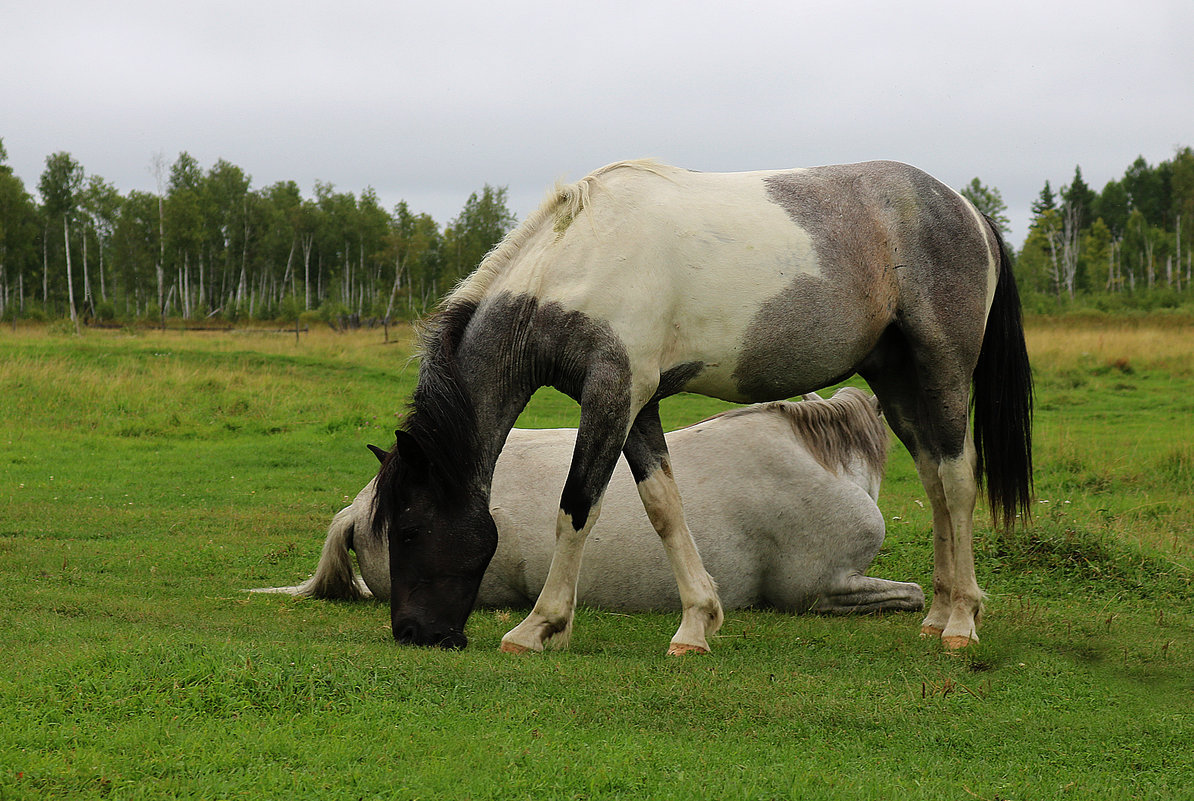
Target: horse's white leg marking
551, 617
701, 613
961, 489
937, 617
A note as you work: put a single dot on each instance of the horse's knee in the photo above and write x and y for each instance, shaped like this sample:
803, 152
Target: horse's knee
576, 505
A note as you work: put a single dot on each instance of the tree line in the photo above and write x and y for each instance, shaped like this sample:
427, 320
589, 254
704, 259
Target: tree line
1129, 244
207, 244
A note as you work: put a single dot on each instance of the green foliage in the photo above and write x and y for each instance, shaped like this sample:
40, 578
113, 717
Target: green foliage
1080, 197
105, 311
481, 224
1132, 238
988, 201
213, 244
19, 238
333, 313
209, 243
60, 185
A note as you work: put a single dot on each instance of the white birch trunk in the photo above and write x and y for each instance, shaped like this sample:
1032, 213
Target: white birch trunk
70, 283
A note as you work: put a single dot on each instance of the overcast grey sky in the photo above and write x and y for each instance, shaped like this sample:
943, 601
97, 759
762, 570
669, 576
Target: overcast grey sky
427, 101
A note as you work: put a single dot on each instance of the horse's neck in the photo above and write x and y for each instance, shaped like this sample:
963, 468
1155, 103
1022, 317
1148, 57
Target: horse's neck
499, 394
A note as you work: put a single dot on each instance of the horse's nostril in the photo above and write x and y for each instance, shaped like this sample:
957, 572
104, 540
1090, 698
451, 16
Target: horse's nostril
407, 634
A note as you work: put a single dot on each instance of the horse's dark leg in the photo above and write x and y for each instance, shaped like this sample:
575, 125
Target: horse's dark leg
646, 451
604, 423
927, 408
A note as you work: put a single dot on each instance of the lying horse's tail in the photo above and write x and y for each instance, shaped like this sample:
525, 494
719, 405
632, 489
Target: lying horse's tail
1002, 402
334, 576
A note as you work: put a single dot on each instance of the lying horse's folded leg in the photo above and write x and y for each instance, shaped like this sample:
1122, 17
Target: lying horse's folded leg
646, 451
865, 594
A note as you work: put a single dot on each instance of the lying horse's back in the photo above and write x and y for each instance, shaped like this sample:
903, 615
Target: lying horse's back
781, 521
781, 495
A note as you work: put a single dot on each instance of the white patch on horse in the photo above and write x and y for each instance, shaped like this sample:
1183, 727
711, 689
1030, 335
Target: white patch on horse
708, 219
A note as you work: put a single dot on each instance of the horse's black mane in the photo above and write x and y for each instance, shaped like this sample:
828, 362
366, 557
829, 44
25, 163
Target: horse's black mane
441, 418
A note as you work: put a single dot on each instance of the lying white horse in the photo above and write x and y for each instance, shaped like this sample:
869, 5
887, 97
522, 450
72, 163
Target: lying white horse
779, 496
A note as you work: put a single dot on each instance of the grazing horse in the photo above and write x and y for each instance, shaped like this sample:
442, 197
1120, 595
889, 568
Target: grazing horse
643, 280
781, 497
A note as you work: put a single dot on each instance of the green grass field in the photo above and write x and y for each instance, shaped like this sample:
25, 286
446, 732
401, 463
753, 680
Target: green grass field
147, 478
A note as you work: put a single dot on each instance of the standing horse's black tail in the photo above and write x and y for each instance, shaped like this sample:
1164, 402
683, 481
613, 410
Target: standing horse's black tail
1002, 402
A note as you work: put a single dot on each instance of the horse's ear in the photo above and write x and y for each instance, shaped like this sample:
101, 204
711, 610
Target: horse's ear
874, 401
410, 451
378, 452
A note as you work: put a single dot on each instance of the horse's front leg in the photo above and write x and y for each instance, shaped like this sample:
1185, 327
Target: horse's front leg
646, 451
604, 421
551, 617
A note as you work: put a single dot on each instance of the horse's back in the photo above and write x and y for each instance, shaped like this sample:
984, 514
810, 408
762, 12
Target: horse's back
770, 283
809, 525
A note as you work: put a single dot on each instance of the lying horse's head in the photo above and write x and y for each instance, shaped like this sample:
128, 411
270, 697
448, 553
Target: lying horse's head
441, 540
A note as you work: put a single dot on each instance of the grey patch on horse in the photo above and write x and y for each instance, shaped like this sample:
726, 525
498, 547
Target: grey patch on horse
519, 340
942, 215
877, 230
845, 215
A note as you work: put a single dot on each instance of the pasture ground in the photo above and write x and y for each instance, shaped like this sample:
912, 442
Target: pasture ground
146, 478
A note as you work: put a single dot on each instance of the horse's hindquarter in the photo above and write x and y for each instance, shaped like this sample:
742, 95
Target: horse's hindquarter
717, 270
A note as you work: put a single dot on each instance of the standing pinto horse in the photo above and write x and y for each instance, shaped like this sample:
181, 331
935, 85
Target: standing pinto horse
643, 280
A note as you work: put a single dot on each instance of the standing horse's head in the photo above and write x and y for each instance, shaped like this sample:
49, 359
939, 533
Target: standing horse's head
441, 540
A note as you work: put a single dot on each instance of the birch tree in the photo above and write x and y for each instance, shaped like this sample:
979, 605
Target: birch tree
59, 187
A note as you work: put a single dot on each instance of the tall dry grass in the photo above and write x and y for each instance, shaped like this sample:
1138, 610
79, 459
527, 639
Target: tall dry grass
1060, 343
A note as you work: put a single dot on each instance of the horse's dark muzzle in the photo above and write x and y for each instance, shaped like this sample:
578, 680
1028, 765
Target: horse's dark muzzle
412, 634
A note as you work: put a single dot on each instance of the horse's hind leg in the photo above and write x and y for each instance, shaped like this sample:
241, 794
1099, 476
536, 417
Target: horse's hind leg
952, 488
928, 411
646, 451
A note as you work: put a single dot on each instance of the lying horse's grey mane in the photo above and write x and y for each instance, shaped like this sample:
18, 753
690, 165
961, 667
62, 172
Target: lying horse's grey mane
836, 430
